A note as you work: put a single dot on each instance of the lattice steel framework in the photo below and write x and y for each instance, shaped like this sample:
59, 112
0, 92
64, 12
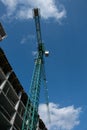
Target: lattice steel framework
31, 112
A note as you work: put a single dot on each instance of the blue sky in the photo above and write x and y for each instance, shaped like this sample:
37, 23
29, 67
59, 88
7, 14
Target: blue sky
64, 33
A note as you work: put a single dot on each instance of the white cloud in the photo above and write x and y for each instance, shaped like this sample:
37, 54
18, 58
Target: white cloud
27, 39
65, 118
34, 53
23, 9
10, 6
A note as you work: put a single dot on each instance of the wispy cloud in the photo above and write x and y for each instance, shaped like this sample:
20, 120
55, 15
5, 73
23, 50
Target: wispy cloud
20, 9
65, 118
34, 53
27, 38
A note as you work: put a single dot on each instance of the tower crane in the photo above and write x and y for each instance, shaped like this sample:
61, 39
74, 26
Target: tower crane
30, 119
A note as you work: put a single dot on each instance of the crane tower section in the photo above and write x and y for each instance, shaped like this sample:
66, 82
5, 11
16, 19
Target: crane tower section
31, 113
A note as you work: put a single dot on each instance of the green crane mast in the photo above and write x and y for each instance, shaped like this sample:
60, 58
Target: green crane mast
31, 112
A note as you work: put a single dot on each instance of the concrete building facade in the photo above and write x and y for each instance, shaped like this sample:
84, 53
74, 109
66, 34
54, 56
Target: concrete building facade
13, 98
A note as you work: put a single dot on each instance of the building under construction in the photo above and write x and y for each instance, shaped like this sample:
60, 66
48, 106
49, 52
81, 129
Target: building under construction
13, 98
